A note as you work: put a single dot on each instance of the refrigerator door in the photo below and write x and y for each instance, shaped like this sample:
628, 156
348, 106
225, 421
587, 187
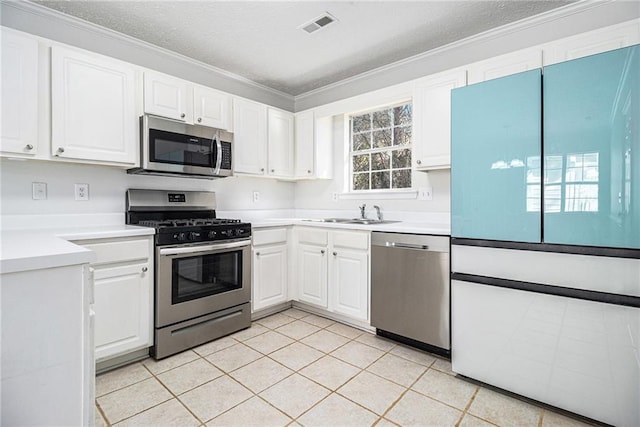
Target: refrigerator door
592, 150
577, 355
495, 159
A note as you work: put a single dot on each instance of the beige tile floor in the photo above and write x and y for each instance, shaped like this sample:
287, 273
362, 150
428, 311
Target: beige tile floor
295, 368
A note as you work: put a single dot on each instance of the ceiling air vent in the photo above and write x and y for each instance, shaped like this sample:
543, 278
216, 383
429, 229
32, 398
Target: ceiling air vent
318, 23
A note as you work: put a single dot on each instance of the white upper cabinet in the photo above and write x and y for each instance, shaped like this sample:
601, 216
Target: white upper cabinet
593, 42
280, 143
93, 115
250, 137
432, 119
313, 146
211, 108
305, 145
178, 99
19, 113
505, 65
168, 96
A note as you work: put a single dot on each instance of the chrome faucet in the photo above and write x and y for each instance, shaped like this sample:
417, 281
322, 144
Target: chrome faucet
378, 213
362, 214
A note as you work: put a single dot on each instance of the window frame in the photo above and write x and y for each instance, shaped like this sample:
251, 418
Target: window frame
350, 153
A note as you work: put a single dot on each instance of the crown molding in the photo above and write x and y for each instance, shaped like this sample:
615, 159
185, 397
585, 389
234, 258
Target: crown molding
492, 34
48, 13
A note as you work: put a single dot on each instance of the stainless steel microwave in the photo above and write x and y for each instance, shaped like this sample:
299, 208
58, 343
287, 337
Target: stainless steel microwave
169, 147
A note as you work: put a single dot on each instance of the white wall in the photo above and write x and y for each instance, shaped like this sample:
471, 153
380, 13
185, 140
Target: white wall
318, 194
107, 187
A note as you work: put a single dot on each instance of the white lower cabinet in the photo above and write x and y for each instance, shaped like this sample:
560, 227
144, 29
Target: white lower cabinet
333, 270
123, 282
270, 265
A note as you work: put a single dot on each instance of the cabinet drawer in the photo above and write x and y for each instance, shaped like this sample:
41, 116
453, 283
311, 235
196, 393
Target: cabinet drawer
269, 236
313, 237
351, 240
119, 251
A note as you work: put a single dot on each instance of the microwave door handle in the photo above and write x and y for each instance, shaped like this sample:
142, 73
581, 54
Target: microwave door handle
216, 139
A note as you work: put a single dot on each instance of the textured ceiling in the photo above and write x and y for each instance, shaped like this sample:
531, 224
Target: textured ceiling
261, 40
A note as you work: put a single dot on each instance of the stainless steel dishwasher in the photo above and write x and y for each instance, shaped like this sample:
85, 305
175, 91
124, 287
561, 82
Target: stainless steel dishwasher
410, 292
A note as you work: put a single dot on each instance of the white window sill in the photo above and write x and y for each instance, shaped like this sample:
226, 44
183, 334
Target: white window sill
379, 195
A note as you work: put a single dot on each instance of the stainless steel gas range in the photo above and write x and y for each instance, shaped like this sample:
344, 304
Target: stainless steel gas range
202, 268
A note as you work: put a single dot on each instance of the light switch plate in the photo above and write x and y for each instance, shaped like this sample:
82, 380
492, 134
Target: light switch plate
256, 196
39, 190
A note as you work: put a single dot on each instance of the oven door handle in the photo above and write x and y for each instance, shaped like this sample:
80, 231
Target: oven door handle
204, 248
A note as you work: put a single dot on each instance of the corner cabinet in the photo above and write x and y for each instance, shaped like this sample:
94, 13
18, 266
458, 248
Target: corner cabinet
19, 129
432, 119
313, 146
333, 270
270, 268
93, 114
250, 137
123, 281
280, 143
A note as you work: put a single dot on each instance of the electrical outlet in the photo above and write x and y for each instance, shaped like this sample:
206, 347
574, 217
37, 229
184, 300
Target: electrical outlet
425, 193
256, 196
39, 190
335, 197
82, 191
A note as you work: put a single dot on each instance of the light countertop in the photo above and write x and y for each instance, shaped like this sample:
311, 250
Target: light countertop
23, 250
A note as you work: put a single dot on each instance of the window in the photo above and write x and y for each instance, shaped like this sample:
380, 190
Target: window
380, 149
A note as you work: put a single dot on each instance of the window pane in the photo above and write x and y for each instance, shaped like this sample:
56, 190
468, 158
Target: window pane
402, 115
402, 135
362, 141
380, 180
590, 173
361, 123
380, 161
361, 181
401, 159
361, 163
554, 176
553, 162
382, 138
574, 174
381, 119
402, 178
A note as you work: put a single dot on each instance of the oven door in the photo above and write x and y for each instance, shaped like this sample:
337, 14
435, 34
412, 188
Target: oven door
195, 280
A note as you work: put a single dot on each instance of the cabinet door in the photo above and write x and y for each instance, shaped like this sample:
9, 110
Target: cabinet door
122, 307
93, 107
312, 274
18, 133
432, 120
269, 276
280, 143
211, 108
305, 145
250, 137
505, 65
592, 145
495, 159
349, 273
168, 96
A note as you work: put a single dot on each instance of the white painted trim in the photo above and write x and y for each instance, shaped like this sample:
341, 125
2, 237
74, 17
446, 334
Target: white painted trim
491, 34
46, 12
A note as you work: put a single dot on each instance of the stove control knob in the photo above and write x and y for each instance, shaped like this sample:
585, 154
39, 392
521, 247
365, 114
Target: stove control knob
180, 237
193, 235
239, 232
212, 234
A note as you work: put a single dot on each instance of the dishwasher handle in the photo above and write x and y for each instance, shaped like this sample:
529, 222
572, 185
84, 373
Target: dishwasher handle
406, 246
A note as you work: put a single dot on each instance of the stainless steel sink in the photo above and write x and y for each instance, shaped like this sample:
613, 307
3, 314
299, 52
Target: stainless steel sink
365, 221
368, 221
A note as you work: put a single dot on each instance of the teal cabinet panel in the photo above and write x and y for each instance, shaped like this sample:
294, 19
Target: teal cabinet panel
495, 159
592, 150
